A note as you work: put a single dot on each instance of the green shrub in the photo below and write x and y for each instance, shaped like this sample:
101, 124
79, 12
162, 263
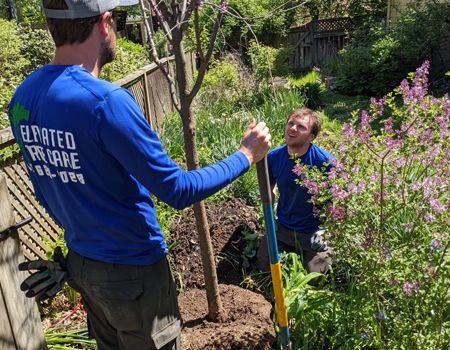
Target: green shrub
268, 62
129, 58
12, 63
37, 47
225, 79
374, 62
311, 86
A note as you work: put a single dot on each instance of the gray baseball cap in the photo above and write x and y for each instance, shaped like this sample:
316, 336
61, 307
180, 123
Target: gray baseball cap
86, 8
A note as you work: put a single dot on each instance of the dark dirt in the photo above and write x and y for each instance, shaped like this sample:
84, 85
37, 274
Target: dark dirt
249, 324
228, 221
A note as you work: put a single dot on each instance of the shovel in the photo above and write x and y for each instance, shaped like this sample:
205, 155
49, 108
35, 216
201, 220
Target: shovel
275, 266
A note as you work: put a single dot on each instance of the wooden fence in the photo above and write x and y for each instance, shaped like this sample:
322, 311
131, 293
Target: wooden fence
151, 91
315, 43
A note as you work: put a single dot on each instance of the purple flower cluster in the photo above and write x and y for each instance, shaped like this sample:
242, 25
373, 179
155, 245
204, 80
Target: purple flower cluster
223, 7
410, 288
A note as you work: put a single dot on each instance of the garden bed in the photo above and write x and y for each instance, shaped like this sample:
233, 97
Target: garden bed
249, 323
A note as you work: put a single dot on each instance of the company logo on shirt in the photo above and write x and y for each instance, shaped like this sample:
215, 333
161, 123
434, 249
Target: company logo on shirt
48, 152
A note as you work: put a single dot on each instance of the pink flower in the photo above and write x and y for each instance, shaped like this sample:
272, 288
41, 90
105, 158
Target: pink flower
429, 218
337, 165
378, 104
298, 169
312, 186
392, 143
348, 131
374, 176
389, 125
315, 211
437, 205
356, 169
410, 288
223, 7
337, 213
338, 193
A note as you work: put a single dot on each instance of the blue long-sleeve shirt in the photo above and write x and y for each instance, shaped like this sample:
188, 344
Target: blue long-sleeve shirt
294, 211
93, 159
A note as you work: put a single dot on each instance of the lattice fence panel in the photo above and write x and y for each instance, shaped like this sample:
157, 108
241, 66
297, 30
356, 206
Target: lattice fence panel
332, 25
36, 236
137, 89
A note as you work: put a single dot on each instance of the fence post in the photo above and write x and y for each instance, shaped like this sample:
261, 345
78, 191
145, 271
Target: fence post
314, 42
20, 323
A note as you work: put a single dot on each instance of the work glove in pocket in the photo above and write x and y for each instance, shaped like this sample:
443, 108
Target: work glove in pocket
318, 244
49, 278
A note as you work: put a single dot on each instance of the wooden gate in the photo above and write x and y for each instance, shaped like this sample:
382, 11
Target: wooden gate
315, 43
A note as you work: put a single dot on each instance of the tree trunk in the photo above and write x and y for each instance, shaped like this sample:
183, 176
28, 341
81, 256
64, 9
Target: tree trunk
216, 312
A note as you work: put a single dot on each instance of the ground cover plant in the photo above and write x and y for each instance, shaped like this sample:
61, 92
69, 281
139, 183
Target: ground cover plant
386, 208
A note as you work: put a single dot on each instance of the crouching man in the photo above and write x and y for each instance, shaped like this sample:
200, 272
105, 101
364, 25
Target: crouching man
298, 229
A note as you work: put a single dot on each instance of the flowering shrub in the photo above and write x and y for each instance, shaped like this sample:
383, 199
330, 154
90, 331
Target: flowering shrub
386, 204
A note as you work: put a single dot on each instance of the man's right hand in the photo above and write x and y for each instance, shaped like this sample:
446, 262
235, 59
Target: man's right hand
256, 141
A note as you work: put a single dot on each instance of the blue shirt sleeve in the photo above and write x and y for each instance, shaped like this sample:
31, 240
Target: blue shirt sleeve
126, 136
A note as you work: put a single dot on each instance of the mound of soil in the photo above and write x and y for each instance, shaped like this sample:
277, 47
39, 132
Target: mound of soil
228, 221
249, 324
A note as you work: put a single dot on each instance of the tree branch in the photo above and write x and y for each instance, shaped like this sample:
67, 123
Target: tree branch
164, 17
154, 53
197, 35
204, 62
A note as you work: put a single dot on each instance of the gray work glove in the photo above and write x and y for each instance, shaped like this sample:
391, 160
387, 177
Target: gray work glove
317, 242
49, 278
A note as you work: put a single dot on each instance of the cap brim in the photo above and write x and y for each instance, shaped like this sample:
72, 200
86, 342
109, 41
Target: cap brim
128, 2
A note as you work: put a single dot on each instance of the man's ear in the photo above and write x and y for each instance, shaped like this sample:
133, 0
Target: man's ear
105, 24
311, 137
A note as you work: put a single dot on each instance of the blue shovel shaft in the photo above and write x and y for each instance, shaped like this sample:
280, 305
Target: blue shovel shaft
275, 266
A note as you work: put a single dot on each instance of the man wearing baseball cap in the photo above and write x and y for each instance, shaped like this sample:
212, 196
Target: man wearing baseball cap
93, 161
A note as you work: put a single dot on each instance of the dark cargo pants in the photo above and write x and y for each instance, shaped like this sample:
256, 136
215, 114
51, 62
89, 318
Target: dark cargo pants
129, 307
298, 242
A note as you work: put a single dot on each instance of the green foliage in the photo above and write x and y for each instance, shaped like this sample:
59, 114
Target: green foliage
251, 247
9, 152
308, 308
129, 58
374, 62
22, 50
339, 107
57, 339
368, 9
223, 76
12, 64
268, 62
269, 20
37, 47
311, 86
30, 11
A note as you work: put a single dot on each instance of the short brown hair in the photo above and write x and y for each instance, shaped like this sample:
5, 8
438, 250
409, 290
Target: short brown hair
300, 112
68, 31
